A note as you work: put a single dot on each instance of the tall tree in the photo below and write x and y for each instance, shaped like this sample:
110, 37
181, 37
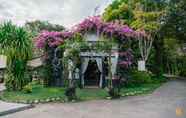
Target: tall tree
174, 31
37, 26
175, 20
141, 14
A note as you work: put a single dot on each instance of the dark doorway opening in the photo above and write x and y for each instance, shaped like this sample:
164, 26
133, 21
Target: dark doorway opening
92, 74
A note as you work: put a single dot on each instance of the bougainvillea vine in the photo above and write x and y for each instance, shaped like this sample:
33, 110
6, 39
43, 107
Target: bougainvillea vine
52, 39
91, 24
126, 59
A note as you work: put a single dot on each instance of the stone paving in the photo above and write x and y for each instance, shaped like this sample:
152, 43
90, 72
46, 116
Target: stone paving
7, 108
169, 101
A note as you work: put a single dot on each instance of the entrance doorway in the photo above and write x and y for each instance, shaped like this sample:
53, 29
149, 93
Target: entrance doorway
92, 74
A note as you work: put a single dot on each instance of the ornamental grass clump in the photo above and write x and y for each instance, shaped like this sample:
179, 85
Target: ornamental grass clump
16, 44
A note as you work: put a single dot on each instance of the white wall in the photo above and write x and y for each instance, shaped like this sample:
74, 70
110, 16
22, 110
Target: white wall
3, 60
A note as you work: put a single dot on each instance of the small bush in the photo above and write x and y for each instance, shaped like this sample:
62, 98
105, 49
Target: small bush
182, 72
114, 92
71, 93
159, 79
27, 88
139, 77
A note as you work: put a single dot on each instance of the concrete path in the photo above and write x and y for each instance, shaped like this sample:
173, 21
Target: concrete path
166, 102
7, 108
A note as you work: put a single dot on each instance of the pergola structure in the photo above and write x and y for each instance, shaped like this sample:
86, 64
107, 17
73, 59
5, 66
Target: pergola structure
99, 58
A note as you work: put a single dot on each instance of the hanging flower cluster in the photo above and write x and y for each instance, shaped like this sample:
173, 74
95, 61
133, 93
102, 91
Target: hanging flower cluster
126, 59
110, 29
95, 24
51, 39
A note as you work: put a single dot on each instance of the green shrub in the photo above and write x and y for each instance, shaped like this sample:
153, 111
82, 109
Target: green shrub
182, 72
27, 88
114, 92
71, 93
139, 77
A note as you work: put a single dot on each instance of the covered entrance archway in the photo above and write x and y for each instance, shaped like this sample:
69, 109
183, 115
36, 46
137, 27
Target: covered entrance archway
97, 58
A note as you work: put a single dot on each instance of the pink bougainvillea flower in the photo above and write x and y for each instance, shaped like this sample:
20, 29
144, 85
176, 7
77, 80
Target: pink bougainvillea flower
90, 24
125, 64
52, 39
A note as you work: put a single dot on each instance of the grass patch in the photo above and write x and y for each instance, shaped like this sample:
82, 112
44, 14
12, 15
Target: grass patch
41, 93
38, 93
90, 94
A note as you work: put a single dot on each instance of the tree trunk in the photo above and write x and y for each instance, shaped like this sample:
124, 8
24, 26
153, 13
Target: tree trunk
110, 72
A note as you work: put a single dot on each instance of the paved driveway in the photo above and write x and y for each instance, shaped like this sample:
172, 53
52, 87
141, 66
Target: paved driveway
163, 103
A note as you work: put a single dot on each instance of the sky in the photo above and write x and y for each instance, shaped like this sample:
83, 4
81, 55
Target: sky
64, 12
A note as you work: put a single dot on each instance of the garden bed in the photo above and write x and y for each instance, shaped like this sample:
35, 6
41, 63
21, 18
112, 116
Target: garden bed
43, 95
137, 90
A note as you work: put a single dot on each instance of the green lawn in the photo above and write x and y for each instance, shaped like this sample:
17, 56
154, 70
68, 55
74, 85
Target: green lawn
91, 93
41, 93
38, 92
